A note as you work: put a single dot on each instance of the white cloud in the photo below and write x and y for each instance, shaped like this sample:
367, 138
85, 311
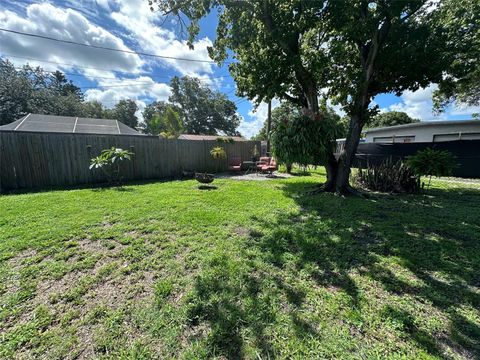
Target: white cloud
257, 118
145, 27
110, 91
417, 104
463, 110
337, 108
66, 24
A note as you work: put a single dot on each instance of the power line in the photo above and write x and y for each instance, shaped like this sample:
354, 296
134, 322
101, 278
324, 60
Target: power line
241, 101
92, 77
104, 47
126, 85
64, 64
117, 85
96, 68
134, 83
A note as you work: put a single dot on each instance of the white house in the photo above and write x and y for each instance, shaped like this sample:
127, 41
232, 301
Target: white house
425, 131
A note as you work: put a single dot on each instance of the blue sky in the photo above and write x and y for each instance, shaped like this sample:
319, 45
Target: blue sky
109, 76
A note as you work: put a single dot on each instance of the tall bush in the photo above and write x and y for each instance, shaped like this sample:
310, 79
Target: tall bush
303, 140
430, 162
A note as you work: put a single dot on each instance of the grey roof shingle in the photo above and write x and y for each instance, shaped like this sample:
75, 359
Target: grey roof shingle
69, 124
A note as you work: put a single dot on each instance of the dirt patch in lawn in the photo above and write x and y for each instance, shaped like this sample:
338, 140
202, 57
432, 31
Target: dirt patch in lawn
109, 287
242, 231
14, 266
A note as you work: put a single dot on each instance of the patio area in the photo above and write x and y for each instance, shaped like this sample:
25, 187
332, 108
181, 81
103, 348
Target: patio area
254, 176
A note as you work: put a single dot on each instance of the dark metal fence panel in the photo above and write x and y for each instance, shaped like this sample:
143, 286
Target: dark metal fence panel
467, 153
34, 160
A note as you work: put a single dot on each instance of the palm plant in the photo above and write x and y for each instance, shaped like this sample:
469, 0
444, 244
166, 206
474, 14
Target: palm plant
109, 162
218, 153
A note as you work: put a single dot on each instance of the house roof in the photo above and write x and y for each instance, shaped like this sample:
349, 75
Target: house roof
69, 124
209, 137
425, 124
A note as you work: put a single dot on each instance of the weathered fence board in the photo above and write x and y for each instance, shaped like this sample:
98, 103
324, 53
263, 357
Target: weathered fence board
33, 160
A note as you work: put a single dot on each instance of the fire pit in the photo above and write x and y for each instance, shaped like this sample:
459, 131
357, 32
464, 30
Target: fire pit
204, 178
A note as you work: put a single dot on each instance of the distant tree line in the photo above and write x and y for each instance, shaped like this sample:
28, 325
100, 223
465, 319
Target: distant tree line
34, 90
192, 107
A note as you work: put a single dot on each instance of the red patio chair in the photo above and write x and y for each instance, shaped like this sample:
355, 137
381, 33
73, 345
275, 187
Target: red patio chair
264, 160
269, 167
235, 164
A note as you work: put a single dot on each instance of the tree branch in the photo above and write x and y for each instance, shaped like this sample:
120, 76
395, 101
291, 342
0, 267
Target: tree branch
294, 100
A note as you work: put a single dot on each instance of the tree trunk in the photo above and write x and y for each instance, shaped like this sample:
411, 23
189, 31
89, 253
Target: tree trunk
345, 160
269, 125
289, 168
331, 168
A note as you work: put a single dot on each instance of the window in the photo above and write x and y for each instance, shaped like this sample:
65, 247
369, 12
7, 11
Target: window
394, 139
404, 139
446, 137
383, 139
470, 136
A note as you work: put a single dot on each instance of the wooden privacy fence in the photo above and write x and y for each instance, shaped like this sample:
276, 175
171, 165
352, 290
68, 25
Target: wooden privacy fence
466, 152
31, 160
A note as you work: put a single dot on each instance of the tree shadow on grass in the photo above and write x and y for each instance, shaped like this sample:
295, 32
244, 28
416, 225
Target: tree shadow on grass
435, 239
207, 187
227, 297
334, 241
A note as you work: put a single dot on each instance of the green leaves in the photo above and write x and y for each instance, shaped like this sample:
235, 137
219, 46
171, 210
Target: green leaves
109, 162
431, 162
33, 90
218, 152
124, 111
110, 156
388, 176
299, 139
202, 110
391, 118
458, 21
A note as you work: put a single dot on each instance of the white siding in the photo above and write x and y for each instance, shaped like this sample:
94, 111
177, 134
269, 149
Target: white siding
446, 137
426, 132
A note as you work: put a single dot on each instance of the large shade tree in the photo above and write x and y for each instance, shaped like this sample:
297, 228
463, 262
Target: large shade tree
291, 49
202, 110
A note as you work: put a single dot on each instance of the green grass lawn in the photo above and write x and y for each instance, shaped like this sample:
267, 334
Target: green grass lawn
255, 270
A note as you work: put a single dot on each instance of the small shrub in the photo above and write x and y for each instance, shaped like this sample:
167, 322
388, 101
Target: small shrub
218, 152
109, 162
431, 162
389, 176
